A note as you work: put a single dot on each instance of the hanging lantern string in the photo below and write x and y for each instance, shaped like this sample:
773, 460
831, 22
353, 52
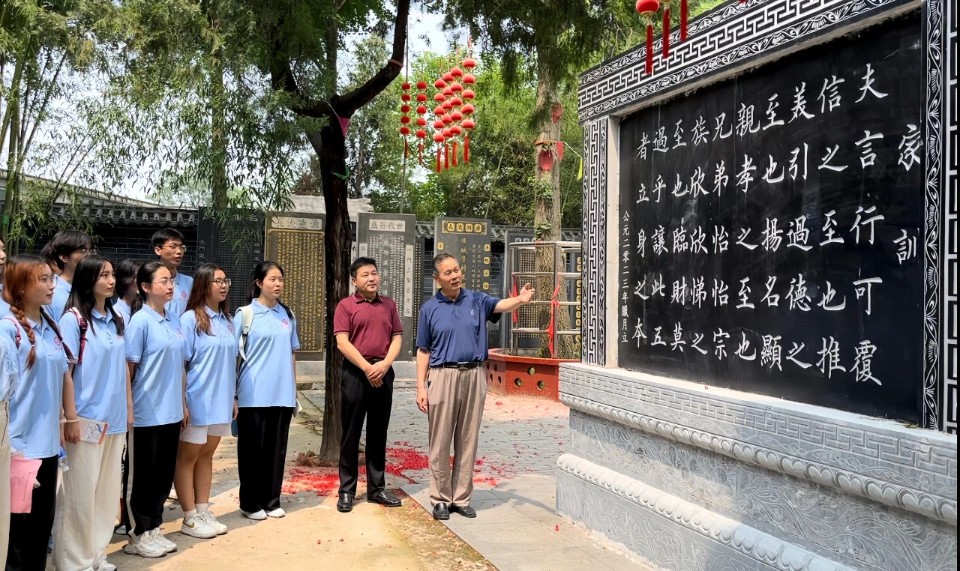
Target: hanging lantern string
647, 10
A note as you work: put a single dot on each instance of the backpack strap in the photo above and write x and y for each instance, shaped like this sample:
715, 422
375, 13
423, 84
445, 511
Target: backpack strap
83, 332
16, 328
246, 319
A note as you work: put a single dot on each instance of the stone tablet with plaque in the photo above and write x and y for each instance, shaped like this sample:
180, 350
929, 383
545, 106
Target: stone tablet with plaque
295, 241
390, 240
235, 244
467, 239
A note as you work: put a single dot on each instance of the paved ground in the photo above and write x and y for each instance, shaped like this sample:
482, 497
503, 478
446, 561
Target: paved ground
517, 527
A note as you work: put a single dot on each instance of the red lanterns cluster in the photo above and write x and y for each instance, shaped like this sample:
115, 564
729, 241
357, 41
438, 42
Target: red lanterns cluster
648, 10
454, 106
453, 114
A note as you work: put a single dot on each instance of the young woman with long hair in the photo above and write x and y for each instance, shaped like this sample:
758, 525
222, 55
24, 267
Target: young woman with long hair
93, 332
210, 351
36, 404
266, 392
154, 353
128, 296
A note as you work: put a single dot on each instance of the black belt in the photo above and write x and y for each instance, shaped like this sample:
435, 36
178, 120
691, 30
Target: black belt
461, 366
374, 360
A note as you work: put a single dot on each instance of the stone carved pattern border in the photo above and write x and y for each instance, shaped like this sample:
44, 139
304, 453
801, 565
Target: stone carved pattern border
881, 490
745, 540
594, 240
819, 518
731, 36
947, 397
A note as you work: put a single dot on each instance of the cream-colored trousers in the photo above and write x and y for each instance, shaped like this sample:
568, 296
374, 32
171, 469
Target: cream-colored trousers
455, 410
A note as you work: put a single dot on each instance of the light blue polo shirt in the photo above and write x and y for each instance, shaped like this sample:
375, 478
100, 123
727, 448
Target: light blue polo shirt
266, 377
182, 284
456, 331
211, 368
35, 405
9, 369
100, 379
155, 342
123, 310
4, 306
61, 292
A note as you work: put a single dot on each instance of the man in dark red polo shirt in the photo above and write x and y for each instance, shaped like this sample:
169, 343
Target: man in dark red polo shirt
369, 334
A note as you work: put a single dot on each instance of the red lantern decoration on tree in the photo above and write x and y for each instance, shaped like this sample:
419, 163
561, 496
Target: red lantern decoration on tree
647, 10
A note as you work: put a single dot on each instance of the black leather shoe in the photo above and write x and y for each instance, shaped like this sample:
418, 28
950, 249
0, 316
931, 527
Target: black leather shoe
440, 511
465, 511
383, 498
345, 503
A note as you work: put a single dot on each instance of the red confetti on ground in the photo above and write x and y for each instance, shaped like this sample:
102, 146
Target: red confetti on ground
498, 403
319, 541
323, 481
556, 527
404, 458
483, 480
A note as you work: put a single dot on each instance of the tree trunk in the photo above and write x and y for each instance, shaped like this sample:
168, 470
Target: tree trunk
218, 138
546, 222
330, 146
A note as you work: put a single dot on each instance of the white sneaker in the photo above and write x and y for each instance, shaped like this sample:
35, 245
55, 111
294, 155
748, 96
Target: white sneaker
257, 515
106, 566
276, 513
144, 546
162, 541
213, 522
198, 527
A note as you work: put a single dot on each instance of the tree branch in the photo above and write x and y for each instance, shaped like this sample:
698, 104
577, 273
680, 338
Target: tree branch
348, 103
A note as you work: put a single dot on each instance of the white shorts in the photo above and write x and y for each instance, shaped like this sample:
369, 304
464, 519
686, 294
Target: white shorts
198, 434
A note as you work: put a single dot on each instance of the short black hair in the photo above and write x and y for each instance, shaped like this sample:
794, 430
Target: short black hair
439, 258
164, 235
64, 243
359, 263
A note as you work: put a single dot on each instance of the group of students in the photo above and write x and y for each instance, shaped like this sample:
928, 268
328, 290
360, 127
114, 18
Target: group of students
140, 358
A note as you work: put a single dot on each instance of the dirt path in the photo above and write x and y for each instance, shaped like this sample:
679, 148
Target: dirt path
313, 534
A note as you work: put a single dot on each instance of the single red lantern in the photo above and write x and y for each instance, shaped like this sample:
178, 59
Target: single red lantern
421, 133
447, 91
456, 115
468, 124
647, 10
439, 110
405, 119
421, 84
448, 77
421, 121
439, 84
405, 97
439, 98
447, 119
456, 72
469, 79
456, 87
456, 101
469, 63
421, 109
455, 130
405, 86
404, 108
467, 109
438, 137
404, 130
468, 94
447, 105
421, 97
438, 124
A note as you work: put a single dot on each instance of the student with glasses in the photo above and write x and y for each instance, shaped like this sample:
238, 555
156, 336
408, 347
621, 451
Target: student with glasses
266, 392
169, 247
36, 404
65, 250
211, 362
96, 393
154, 353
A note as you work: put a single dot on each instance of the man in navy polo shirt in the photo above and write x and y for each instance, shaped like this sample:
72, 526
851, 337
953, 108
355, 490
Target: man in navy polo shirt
451, 349
369, 334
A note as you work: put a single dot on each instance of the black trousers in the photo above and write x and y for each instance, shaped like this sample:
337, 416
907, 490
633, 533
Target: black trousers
30, 533
360, 399
261, 452
152, 454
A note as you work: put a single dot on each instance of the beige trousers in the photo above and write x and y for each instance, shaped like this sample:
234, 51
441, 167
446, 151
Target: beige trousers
91, 488
455, 410
4, 480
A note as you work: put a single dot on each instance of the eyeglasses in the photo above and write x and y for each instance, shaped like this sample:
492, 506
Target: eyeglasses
46, 279
163, 281
181, 247
222, 282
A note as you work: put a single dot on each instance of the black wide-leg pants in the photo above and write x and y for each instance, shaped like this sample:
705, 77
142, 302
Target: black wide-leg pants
152, 461
262, 434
